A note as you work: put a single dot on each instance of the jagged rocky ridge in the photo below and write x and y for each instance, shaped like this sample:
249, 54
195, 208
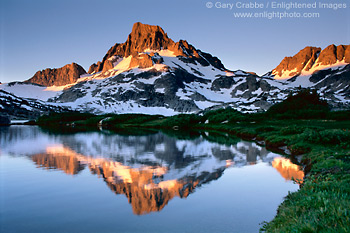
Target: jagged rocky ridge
67, 74
151, 38
311, 59
150, 73
327, 71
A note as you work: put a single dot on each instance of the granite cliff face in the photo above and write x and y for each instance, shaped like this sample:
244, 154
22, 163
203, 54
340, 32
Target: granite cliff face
312, 59
67, 74
333, 54
303, 60
148, 38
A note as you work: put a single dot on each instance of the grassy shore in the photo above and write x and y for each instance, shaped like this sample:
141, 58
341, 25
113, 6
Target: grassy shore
301, 127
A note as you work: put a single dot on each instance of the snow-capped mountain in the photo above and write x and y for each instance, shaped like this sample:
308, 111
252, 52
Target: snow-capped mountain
312, 59
327, 70
150, 73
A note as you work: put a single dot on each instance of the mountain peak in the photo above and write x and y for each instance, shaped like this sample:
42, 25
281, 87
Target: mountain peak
291, 66
311, 59
151, 39
144, 36
333, 54
141, 30
58, 76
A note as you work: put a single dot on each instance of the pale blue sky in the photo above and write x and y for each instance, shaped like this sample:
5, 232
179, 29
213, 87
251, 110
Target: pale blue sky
41, 34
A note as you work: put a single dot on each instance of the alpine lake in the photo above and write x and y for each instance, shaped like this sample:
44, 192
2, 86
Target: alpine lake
103, 181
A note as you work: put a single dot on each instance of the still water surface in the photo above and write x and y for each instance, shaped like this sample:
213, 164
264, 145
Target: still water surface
105, 182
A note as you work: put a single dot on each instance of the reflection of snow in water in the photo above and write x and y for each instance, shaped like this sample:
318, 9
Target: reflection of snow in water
180, 158
148, 170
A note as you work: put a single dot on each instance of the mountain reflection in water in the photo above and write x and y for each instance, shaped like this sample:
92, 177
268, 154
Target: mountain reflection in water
287, 169
149, 170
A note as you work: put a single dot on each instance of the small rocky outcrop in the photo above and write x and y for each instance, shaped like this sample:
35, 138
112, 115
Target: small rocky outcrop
109, 64
58, 77
142, 61
252, 84
224, 82
95, 67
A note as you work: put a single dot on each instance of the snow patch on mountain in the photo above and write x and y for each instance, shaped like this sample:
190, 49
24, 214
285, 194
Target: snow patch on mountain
286, 74
318, 66
32, 91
